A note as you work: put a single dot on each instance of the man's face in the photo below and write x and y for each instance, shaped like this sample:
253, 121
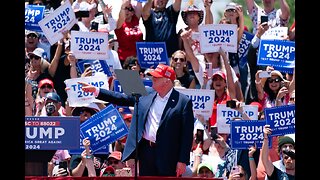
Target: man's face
159, 83
115, 163
289, 162
160, 4
205, 172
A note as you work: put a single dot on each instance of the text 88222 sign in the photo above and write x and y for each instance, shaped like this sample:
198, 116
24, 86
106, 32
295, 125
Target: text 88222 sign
52, 133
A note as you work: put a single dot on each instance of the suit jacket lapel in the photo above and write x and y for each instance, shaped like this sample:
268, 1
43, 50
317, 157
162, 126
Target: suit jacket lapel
147, 102
172, 101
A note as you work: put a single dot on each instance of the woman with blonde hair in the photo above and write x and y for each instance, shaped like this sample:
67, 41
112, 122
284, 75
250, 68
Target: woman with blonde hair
179, 63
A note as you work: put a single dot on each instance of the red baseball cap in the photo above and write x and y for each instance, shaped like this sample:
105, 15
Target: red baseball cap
127, 117
258, 104
219, 73
116, 154
163, 71
45, 81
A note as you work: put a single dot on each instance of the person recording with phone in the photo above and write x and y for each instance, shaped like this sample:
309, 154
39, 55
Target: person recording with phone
274, 90
52, 105
165, 128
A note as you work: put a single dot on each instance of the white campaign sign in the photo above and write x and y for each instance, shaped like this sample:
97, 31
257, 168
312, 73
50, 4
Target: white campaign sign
214, 36
89, 45
202, 100
226, 114
275, 33
78, 98
61, 19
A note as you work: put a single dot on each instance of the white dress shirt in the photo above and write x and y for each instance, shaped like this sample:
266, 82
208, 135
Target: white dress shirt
154, 117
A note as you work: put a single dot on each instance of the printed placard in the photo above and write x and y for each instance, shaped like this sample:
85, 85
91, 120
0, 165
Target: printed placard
284, 70
151, 54
62, 18
77, 97
246, 133
33, 14
225, 115
89, 45
214, 36
51, 132
244, 48
117, 88
104, 128
202, 100
95, 65
275, 33
280, 53
281, 119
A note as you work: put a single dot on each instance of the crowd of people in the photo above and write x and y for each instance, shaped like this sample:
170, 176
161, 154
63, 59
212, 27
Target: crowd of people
167, 144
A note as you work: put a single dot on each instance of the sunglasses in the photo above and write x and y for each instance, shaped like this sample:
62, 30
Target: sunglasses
230, 10
46, 86
287, 157
270, 80
129, 9
34, 57
32, 36
181, 59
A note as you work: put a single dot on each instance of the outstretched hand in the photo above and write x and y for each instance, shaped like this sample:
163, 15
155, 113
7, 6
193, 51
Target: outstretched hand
87, 87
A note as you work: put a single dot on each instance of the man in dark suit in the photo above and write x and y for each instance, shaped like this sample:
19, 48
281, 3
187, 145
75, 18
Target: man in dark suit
165, 128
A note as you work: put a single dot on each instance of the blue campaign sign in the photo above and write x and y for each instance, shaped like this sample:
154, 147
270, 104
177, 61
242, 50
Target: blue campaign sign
96, 66
117, 88
284, 70
246, 133
280, 53
244, 47
103, 150
151, 54
32, 15
104, 127
51, 132
281, 119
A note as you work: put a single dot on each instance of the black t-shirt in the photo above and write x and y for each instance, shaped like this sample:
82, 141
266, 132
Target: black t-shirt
62, 73
186, 80
161, 27
277, 174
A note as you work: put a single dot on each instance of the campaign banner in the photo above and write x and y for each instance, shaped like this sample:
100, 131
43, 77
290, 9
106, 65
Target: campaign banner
277, 53
51, 132
151, 54
246, 133
95, 65
104, 128
77, 97
244, 48
214, 36
284, 70
117, 88
281, 119
275, 33
202, 100
225, 115
32, 15
89, 45
61, 19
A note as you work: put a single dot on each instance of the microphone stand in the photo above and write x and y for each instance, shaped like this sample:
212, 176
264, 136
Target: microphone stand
137, 96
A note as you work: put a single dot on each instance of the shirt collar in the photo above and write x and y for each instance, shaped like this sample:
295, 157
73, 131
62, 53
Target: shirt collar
166, 97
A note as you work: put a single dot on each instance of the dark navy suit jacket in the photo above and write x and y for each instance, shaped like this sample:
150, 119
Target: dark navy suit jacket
175, 133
